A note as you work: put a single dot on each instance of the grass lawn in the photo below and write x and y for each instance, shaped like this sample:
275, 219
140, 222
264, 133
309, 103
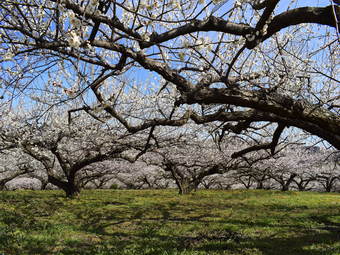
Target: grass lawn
160, 222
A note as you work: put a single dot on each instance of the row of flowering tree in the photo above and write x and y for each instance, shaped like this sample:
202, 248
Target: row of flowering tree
294, 167
89, 153
248, 69
60, 150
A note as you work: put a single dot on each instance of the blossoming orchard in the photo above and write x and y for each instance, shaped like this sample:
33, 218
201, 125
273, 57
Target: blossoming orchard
174, 93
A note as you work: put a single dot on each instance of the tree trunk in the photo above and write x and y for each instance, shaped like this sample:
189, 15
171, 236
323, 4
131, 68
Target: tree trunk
43, 185
185, 187
285, 185
301, 187
2, 186
70, 188
329, 185
72, 191
259, 185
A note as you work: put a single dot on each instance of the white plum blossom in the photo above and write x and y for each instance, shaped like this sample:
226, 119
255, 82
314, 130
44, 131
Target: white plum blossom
8, 56
74, 40
207, 64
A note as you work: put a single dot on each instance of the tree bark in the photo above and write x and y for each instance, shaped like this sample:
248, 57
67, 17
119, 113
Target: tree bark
70, 188
185, 187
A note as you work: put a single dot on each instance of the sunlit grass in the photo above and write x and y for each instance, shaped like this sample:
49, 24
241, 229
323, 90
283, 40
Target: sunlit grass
162, 222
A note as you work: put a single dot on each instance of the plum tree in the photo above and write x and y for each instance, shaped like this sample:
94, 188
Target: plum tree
65, 150
191, 159
240, 64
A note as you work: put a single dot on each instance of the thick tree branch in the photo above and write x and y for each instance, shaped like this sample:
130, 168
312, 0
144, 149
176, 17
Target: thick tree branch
303, 15
272, 145
210, 24
270, 6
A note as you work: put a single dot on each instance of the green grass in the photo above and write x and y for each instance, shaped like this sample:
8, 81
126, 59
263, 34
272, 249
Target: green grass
164, 223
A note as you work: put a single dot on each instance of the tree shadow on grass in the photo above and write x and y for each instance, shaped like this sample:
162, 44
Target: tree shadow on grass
307, 244
321, 240
99, 234
210, 243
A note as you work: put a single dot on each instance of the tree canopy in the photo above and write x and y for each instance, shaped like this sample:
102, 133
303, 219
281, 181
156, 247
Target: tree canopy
242, 65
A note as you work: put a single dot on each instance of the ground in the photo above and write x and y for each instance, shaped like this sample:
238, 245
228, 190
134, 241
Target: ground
160, 222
